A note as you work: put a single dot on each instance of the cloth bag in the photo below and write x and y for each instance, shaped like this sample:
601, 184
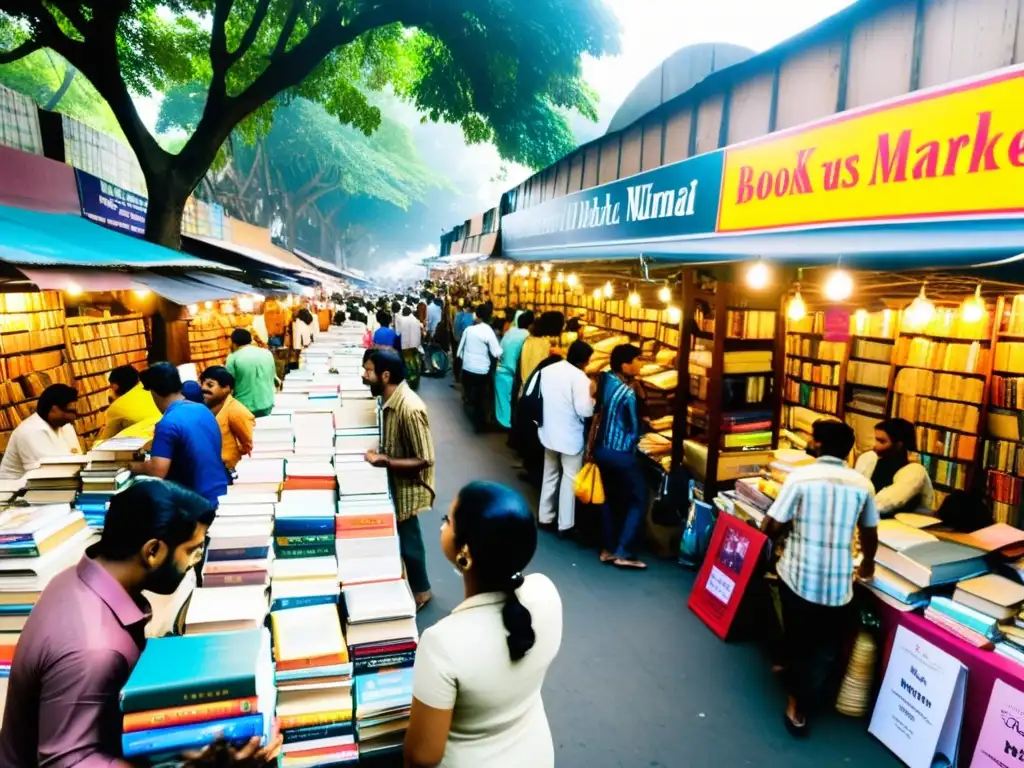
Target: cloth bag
588, 486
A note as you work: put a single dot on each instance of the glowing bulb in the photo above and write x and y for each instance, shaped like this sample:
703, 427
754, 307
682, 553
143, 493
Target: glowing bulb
674, 315
921, 311
245, 304
839, 285
860, 318
796, 310
597, 293
546, 267
193, 309
524, 271
973, 309
758, 276
208, 305
634, 299
608, 290
499, 269
141, 292
545, 279
572, 279
560, 277
665, 294
73, 289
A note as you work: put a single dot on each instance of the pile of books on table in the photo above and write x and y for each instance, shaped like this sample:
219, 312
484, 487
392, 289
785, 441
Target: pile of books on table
106, 474
185, 692
226, 609
55, 481
305, 569
314, 432
382, 637
976, 608
36, 543
314, 683
366, 534
273, 436
259, 475
242, 533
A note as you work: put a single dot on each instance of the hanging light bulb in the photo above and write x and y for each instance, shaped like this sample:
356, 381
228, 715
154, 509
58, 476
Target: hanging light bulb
665, 294
73, 289
758, 275
193, 309
796, 310
571, 280
597, 293
920, 312
141, 292
839, 285
973, 308
499, 269
546, 267
634, 299
545, 279
524, 271
608, 290
208, 305
560, 277
674, 315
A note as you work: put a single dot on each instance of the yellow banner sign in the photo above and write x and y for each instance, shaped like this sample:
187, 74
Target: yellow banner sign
956, 151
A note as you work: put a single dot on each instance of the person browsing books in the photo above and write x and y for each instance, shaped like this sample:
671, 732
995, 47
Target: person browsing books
479, 672
818, 510
86, 633
186, 441
255, 373
901, 485
47, 432
478, 346
234, 419
132, 403
407, 452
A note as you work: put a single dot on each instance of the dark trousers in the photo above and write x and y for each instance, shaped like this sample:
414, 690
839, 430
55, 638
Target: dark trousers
475, 388
626, 497
814, 637
414, 554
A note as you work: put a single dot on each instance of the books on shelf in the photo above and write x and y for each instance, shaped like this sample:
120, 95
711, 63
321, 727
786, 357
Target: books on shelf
940, 413
383, 703
919, 352
945, 386
226, 609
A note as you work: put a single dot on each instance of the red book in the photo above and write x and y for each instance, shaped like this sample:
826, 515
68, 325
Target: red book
188, 714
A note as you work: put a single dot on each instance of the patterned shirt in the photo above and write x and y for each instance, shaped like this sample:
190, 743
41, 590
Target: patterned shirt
620, 426
406, 435
825, 501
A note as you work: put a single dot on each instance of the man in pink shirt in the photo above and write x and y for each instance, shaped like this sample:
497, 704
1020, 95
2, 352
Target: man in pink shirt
86, 632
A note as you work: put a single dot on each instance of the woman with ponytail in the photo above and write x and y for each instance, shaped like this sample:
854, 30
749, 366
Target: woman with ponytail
478, 677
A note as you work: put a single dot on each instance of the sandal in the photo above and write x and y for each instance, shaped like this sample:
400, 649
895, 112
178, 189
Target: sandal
636, 565
796, 731
607, 557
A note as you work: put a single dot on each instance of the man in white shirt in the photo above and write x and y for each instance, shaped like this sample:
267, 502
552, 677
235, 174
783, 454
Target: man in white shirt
47, 432
434, 314
410, 330
568, 402
478, 346
901, 485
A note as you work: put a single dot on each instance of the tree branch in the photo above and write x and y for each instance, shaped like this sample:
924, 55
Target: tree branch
286, 30
19, 51
72, 13
258, 17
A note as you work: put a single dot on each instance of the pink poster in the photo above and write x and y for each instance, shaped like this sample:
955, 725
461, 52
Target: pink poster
837, 325
1001, 743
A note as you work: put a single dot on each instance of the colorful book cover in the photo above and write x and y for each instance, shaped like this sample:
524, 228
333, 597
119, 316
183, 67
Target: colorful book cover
314, 732
303, 526
241, 553
187, 715
237, 730
302, 601
319, 550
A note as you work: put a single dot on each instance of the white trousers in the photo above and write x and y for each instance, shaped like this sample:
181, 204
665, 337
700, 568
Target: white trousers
560, 471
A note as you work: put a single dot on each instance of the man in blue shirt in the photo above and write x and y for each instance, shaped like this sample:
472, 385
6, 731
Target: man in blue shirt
187, 440
386, 336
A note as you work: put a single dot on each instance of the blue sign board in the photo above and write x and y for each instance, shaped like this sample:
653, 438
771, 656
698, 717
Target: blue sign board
636, 213
110, 205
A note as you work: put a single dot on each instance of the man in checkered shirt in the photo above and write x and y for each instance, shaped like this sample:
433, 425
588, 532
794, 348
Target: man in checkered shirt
819, 509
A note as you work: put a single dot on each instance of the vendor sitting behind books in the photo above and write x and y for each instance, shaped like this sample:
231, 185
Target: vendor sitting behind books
901, 485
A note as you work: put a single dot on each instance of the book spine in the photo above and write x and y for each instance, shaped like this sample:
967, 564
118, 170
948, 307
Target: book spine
19, 551
282, 603
199, 713
303, 526
241, 553
314, 719
315, 732
314, 551
328, 660
377, 663
951, 610
14, 539
179, 693
234, 579
383, 649
301, 541
235, 731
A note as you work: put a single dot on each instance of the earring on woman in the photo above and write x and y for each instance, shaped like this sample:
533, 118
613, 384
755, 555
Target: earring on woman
463, 560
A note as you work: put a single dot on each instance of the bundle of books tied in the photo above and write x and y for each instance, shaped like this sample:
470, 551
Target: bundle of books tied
187, 692
382, 638
106, 473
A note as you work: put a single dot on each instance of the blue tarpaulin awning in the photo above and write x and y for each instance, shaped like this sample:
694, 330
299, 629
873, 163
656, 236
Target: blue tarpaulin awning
34, 238
181, 290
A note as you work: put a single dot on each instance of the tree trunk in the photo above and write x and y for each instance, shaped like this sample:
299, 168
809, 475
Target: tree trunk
166, 208
69, 77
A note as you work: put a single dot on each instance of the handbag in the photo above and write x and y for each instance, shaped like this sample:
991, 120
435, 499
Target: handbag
588, 486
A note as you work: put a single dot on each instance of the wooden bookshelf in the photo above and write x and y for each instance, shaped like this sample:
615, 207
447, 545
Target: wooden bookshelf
209, 337
815, 372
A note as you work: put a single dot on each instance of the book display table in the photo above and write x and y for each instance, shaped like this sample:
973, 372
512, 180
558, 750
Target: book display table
983, 667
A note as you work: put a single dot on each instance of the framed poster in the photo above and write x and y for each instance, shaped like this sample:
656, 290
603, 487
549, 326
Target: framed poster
732, 556
1001, 742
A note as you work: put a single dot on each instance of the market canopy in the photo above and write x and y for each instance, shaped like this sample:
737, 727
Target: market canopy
34, 238
90, 280
227, 283
182, 290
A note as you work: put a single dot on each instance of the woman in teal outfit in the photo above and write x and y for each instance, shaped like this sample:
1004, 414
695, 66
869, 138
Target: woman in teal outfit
505, 374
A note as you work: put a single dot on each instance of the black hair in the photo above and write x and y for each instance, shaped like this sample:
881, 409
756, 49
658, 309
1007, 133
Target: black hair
836, 438
579, 353
384, 318
525, 319
549, 324
396, 307
573, 325
240, 337
484, 312
439, 301
339, 317
964, 512
220, 375
624, 354
899, 431
305, 316
152, 509
161, 379
56, 394
389, 361
369, 353
406, 311
497, 526
124, 377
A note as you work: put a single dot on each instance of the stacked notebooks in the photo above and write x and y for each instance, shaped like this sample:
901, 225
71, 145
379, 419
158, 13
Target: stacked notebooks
55, 481
106, 473
185, 692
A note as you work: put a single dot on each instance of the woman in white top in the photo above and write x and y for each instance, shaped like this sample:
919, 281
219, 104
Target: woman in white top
478, 677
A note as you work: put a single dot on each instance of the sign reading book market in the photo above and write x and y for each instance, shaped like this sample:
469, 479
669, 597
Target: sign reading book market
954, 151
674, 201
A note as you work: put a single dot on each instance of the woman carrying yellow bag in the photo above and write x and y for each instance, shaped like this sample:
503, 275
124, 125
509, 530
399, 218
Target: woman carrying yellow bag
614, 454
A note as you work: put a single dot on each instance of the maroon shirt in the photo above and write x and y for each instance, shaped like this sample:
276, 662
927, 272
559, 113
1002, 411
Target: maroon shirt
81, 641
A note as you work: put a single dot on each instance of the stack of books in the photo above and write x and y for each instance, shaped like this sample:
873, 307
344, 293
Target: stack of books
314, 432
314, 681
106, 474
258, 475
968, 624
304, 523
226, 609
240, 517
185, 692
309, 474
357, 417
273, 436
55, 481
357, 479
366, 533
924, 559
382, 639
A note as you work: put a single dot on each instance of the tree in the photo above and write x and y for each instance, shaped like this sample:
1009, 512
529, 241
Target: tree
504, 70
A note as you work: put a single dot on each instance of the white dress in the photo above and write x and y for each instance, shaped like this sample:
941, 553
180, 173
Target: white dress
462, 663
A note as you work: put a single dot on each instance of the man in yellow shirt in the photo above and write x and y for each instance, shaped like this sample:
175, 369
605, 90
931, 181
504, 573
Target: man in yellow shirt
236, 422
132, 403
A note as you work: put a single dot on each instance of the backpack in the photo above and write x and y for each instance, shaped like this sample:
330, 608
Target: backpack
531, 404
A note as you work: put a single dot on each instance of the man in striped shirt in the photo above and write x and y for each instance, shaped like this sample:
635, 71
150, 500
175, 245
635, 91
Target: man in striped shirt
618, 432
820, 508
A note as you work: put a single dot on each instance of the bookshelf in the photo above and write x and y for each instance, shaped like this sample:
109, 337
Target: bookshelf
33, 354
209, 337
1003, 453
96, 346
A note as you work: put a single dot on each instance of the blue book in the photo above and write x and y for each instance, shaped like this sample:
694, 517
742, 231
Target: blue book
239, 553
384, 690
179, 738
23, 609
970, 618
197, 669
303, 526
314, 673
302, 601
